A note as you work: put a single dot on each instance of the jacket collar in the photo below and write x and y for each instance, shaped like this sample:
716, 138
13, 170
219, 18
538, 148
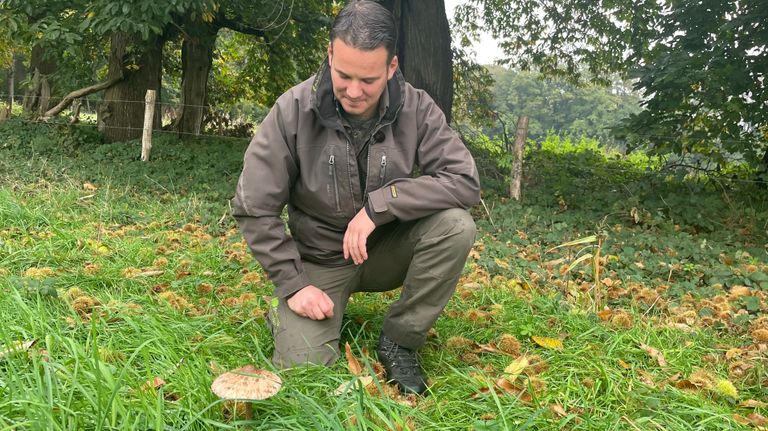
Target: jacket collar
324, 102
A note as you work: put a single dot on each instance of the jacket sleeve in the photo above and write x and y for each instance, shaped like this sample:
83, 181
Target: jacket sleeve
269, 171
449, 177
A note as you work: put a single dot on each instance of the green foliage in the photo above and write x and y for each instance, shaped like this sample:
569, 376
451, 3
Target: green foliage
472, 91
556, 105
705, 78
699, 65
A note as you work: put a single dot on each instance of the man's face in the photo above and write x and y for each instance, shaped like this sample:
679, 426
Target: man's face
359, 77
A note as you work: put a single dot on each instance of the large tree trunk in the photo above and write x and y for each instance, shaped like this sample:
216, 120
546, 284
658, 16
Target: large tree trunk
38, 93
424, 48
196, 60
121, 115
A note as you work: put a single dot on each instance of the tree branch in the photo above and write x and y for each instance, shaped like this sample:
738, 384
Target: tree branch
239, 26
80, 93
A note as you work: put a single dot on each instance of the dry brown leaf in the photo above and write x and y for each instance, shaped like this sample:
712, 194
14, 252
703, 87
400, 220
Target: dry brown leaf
753, 404
352, 362
155, 383
605, 314
514, 369
558, 410
624, 365
507, 386
740, 419
490, 348
757, 419
646, 378
17, 347
655, 354
354, 384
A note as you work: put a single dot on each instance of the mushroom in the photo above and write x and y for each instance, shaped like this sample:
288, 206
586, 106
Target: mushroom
247, 384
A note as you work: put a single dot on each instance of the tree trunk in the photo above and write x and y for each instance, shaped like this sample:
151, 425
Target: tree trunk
40, 90
121, 115
196, 60
424, 48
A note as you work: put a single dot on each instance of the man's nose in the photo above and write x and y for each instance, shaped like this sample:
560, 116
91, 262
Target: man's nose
354, 90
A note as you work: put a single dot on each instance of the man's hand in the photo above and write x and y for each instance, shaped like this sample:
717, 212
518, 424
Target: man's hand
312, 303
356, 235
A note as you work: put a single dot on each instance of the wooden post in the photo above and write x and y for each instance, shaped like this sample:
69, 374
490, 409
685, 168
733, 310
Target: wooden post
517, 164
75, 118
149, 115
11, 85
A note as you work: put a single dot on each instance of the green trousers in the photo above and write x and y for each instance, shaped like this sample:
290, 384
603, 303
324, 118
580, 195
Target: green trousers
425, 257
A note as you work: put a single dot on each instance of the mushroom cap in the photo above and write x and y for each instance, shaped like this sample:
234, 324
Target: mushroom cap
246, 383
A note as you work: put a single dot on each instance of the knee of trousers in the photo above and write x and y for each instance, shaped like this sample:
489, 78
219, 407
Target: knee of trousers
326, 354
453, 225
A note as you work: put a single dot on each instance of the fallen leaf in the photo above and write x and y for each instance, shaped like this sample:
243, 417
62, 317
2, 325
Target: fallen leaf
548, 343
354, 384
353, 364
757, 419
740, 419
490, 348
155, 383
507, 386
17, 347
624, 365
89, 187
605, 314
646, 378
558, 410
655, 354
753, 404
514, 369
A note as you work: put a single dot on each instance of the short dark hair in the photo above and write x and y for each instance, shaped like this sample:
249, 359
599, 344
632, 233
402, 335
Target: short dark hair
366, 25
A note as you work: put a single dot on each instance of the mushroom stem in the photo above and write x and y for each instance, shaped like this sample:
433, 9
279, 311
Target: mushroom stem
248, 411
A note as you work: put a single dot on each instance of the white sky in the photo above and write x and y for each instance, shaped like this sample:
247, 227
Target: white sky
486, 50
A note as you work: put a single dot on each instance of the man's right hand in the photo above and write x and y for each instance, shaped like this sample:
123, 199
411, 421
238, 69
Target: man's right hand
312, 303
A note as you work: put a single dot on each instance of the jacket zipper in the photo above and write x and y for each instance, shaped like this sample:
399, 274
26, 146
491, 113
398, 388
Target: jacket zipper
332, 174
383, 171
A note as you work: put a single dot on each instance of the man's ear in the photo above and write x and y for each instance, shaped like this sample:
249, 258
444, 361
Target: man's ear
330, 51
392, 67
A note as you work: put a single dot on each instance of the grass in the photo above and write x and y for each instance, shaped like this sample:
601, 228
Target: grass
124, 271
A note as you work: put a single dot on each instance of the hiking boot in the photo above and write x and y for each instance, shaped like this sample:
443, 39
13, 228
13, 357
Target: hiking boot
402, 366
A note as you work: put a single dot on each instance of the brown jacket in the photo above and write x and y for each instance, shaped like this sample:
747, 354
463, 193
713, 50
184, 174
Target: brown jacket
301, 156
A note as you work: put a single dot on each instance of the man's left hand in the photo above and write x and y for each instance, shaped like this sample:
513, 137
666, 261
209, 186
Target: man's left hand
356, 235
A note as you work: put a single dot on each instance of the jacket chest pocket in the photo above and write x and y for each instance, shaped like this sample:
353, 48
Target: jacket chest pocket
382, 169
333, 182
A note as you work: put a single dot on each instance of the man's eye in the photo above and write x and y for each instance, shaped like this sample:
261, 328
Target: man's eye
369, 81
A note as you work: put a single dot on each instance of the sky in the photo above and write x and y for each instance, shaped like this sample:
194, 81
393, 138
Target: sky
486, 50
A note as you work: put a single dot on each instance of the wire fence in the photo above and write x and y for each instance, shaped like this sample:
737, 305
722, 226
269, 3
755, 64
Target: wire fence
94, 102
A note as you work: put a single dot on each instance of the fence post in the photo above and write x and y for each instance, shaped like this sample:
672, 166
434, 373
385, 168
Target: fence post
11, 85
149, 115
517, 164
